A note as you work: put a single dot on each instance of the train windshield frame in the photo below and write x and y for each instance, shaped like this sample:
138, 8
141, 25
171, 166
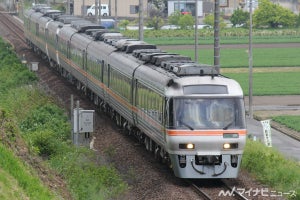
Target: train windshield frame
207, 113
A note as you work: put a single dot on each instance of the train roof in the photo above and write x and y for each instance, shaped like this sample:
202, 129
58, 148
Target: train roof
39, 7
67, 19
83, 25
140, 51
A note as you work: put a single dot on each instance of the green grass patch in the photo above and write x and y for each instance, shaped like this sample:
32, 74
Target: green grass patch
204, 40
292, 122
227, 36
272, 168
28, 182
86, 179
269, 83
262, 57
46, 130
9, 187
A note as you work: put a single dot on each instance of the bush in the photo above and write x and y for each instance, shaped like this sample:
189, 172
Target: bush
272, 15
186, 22
210, 20
271, 167
44, 143
86, 179
174, 18
155, 22
239, 17
47, 117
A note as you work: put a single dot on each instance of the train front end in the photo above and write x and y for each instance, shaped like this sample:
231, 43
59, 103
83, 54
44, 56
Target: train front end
206, 131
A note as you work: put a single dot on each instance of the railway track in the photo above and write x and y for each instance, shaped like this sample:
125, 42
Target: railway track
215, 189
16, 32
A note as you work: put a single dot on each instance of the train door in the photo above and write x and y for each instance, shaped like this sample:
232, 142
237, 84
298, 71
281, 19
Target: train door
106, 78
68, 49
134, 100
57, 46
37, 29
84, 65
47, 39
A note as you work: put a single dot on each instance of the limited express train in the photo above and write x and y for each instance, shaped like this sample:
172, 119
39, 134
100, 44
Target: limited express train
186, 113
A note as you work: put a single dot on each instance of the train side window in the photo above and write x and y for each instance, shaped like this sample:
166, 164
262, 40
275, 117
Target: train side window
101, 70
37, 29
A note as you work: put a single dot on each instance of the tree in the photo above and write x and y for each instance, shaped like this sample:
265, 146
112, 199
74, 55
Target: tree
186, 21
273, 15
174, 18
239, 17
209, 20
155, 22
298, 21
156, 12
124, 23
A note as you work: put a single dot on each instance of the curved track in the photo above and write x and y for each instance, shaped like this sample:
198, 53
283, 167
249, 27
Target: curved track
216, 189
16, 31
154, 184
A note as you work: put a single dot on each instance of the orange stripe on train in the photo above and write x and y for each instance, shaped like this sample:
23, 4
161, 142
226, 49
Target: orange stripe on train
241, 132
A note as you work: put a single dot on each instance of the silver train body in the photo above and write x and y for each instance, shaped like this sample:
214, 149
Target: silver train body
186, 113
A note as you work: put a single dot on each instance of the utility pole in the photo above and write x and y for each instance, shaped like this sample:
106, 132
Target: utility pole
100, 14
116, 15
141, 20
96, 9
216, 36
83, 8
68, 7
250, 63
196, 31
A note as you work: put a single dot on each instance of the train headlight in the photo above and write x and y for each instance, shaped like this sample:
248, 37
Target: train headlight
187, 146
230, 145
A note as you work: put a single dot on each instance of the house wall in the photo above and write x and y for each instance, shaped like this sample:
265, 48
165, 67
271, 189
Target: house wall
186, 5
125, 8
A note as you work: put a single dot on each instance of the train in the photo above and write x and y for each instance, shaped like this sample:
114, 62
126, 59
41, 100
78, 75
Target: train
187, 114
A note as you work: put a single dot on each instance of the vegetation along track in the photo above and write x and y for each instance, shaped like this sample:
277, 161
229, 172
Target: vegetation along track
147, 178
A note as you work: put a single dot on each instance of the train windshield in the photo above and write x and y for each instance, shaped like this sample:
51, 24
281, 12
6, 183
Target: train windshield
209, 113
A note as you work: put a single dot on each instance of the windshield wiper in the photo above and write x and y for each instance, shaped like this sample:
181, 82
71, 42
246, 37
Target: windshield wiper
187, 125
228, 125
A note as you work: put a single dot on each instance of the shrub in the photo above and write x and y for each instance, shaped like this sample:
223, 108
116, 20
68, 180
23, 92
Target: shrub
186, 22
271, 167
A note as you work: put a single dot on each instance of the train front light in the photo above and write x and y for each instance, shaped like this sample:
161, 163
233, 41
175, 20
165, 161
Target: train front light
187, 146
230, 145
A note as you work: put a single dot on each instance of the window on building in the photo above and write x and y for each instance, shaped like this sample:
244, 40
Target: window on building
134, 9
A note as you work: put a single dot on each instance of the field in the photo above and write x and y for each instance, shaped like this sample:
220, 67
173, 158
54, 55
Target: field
238, 57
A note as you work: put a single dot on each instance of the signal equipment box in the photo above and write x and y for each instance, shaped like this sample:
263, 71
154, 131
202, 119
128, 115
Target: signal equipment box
83, 121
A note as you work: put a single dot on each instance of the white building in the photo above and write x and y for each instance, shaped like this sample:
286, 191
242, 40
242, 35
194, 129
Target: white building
186, 6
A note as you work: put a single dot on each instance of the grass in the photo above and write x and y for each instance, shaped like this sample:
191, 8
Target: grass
9, 187
272, 168
223, 40
227, 36
22, 182
262, 57
45, 128
269, 83
292, 122
265, 80
26, 183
